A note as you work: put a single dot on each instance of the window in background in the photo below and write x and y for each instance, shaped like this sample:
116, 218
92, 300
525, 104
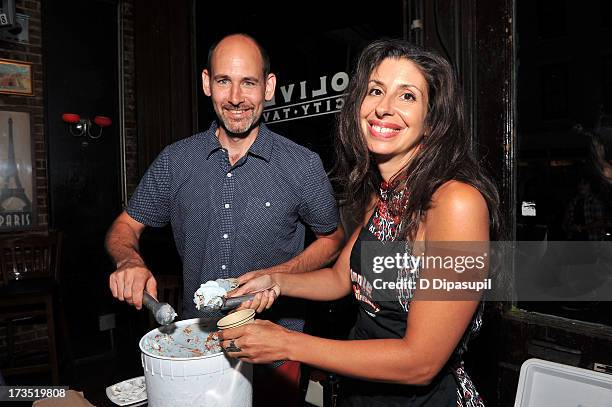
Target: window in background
565, 136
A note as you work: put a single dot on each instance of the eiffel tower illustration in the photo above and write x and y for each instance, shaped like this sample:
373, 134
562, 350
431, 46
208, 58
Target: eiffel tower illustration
11, 188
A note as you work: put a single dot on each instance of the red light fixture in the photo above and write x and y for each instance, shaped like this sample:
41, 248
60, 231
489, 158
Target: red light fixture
80, 127
71, 118
102, 121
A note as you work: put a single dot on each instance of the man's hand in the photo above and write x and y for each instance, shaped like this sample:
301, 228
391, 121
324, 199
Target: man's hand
130, 280
132, 276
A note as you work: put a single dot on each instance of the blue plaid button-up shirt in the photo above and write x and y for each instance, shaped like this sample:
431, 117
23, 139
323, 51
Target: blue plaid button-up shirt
228, 220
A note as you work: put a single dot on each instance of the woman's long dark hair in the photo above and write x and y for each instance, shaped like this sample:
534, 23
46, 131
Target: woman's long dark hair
445, 152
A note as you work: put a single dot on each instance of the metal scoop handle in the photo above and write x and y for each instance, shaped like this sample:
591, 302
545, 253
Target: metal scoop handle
234, 302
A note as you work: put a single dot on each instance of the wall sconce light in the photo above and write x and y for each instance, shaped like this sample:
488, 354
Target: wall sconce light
84, 127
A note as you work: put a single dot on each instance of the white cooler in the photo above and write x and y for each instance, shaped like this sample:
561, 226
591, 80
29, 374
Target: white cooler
548, 384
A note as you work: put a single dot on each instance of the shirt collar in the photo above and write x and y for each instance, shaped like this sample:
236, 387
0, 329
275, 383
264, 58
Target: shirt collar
261, 147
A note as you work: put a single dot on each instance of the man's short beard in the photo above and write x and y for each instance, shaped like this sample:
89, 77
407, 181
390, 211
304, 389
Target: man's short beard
242, 134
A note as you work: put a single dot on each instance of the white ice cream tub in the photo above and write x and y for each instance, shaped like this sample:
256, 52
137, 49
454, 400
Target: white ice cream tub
212, 380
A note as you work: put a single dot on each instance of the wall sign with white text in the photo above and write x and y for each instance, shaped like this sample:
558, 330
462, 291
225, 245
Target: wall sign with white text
305, 99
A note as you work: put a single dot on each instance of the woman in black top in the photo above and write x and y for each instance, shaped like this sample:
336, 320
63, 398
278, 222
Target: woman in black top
408, 177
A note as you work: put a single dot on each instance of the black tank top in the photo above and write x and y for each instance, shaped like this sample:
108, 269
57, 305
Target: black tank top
382, 314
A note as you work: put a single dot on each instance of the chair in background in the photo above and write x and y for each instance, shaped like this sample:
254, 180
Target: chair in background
29, 265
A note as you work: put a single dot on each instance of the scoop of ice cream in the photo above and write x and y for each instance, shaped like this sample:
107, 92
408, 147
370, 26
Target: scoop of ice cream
165, 314
227, 283
209, 294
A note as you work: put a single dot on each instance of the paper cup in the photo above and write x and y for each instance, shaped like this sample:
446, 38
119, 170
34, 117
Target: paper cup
236, 319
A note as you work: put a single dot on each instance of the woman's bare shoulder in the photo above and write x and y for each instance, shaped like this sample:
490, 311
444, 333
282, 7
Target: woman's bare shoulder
458, 211
458, 194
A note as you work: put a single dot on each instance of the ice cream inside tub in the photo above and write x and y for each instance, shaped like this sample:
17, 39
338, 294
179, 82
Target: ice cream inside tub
193, 340
211, 292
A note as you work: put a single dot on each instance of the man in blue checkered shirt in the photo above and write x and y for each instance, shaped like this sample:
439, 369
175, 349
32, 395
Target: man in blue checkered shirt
237, 197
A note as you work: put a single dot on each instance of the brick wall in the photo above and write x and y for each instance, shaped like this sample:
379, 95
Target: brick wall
33, 335
31, 53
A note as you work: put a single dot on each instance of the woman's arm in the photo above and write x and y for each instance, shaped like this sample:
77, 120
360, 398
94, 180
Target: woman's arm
321, 285
327, 284
434, 328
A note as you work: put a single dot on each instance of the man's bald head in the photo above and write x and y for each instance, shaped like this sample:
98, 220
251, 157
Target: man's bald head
239, 39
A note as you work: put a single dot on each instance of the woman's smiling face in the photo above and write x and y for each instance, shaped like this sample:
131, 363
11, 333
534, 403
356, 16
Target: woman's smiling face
393, 112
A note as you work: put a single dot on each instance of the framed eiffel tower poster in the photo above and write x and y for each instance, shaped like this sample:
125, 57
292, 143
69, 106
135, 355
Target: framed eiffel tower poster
17, 200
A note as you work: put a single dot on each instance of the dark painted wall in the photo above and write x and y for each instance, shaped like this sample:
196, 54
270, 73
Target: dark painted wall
305, 41
165, 80
80, 55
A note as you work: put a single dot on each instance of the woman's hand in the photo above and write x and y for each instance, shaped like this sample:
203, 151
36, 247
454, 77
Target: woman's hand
258, 342
267, 289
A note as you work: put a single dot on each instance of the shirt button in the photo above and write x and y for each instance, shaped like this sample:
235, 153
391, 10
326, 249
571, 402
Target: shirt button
229, 175
267, 203
223, 267
226, 206
225, 236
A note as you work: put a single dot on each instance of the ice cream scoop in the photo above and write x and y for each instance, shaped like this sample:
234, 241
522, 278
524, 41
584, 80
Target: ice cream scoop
164, 313
228, 304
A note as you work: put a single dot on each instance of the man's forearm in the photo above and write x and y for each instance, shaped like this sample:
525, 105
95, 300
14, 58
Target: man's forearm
319, 254
122, 243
